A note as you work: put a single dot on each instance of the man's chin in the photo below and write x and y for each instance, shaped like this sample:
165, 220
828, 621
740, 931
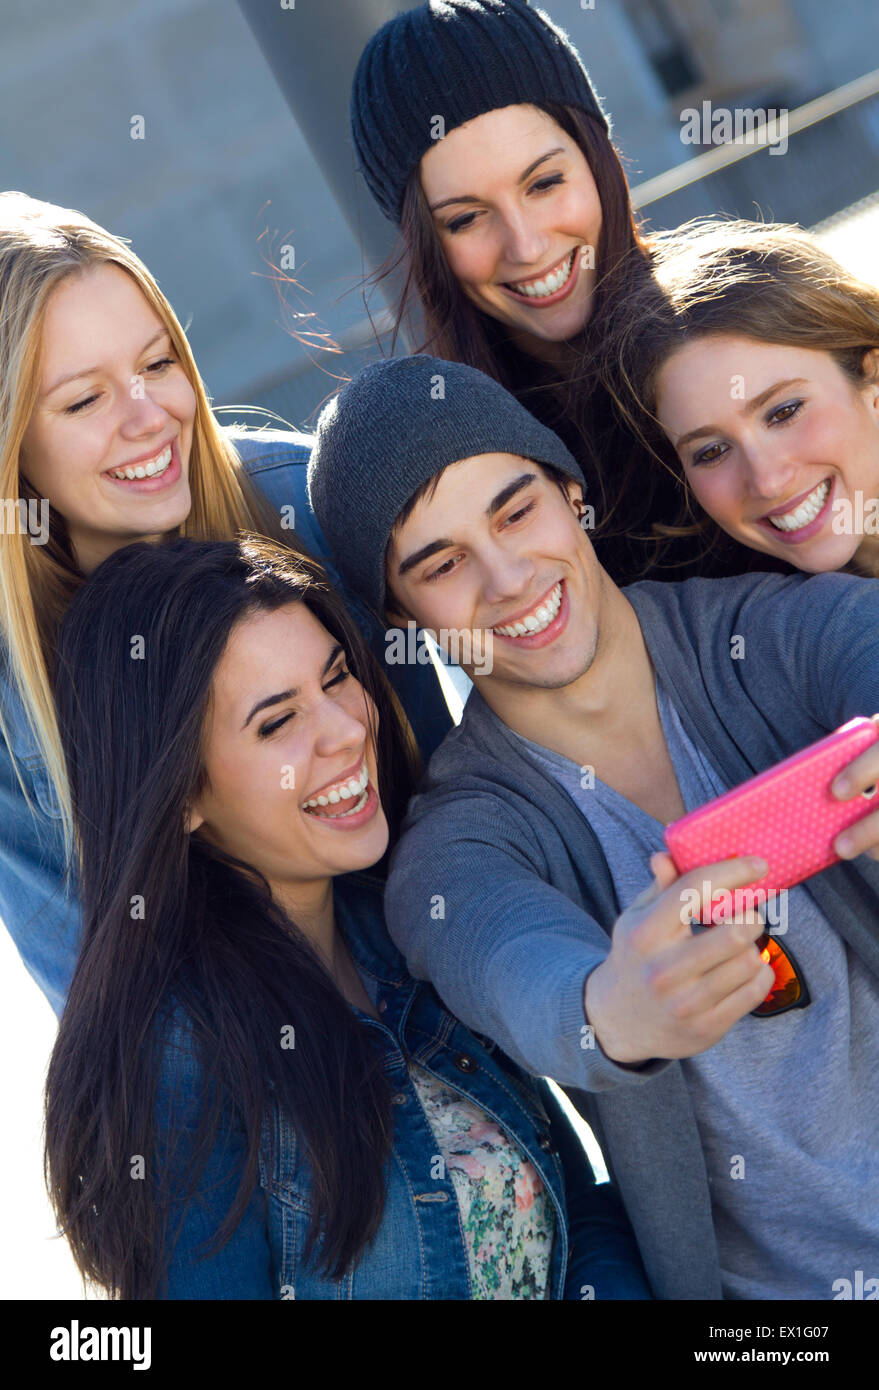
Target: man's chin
544, 675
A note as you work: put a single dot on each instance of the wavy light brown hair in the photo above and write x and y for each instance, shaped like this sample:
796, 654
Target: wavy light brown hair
770, 282
40, 245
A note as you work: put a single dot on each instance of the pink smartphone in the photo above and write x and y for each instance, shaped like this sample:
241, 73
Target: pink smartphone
786, 815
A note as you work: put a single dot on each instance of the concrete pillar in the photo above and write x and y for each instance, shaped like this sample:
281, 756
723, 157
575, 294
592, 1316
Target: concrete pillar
312, 48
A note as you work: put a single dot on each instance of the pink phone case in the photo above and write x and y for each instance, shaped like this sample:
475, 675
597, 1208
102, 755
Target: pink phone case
786, 815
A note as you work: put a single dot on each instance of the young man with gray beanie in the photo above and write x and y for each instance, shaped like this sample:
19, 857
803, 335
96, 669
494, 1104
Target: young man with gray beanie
740, 1142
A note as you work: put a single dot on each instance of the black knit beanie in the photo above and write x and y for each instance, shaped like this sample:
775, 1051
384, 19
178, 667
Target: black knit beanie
391, 429
455, 59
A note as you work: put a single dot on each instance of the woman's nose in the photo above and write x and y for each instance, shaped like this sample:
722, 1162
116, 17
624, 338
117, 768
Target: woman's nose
525, 242
338, 728
769, 471
142, 412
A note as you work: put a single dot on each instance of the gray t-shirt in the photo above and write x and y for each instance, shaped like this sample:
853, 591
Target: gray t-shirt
787, 1107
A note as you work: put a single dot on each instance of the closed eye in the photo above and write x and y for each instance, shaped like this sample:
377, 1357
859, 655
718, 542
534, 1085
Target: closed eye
80, 405
155, 368
339, 679
266, 730
444, 568
523, 511
543, 184
459, 223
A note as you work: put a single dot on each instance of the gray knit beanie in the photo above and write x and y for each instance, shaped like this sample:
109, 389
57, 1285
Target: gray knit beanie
391, 429
454, 59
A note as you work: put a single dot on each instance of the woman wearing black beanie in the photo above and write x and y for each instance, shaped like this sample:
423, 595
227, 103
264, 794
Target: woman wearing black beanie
478, 133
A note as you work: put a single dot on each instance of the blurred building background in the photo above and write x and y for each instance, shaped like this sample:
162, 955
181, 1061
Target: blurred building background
223, 179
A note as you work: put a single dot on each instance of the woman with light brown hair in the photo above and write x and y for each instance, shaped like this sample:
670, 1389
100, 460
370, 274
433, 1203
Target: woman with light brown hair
749, 365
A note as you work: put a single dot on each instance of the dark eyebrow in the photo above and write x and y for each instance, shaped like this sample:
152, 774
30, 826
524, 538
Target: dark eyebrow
509, 491
749, 408
92, 371
291, 694
494, 506
470, 198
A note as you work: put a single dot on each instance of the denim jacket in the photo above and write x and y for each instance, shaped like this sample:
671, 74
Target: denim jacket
37, 904
419, 1251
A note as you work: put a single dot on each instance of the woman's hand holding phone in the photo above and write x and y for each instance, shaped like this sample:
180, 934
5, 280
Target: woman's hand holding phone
665, 992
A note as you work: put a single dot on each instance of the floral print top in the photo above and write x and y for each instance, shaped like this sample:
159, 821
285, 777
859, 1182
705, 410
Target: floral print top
506, 1214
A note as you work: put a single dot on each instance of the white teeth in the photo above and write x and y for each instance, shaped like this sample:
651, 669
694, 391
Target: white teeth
539, 289
541, 618
151, 469
354, 788
805, 512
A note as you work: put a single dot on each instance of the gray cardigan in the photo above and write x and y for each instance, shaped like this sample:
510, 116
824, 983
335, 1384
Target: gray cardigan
500, 893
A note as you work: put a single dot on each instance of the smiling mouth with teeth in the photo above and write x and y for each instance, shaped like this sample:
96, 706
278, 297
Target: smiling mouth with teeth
549, 284
354, 789
153, 468
805, 513
538, 619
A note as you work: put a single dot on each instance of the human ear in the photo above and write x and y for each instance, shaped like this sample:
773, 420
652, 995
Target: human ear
870, 374
870, 365
574, 494
192, 820
869, 388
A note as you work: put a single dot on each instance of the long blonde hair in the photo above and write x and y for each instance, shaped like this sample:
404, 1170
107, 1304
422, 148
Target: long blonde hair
40, 245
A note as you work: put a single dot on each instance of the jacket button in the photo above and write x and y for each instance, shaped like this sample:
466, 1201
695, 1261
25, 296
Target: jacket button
400, 1098
545, 1142
464, 1063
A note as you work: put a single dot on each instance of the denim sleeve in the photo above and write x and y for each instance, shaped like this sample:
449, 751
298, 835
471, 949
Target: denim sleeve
242, 1269
39, 908
603, 1256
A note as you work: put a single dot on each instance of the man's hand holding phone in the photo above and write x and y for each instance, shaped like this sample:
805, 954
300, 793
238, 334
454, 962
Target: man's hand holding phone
665, 992
859, 778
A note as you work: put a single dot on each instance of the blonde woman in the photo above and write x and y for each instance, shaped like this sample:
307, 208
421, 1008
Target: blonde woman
106, 437
750, 365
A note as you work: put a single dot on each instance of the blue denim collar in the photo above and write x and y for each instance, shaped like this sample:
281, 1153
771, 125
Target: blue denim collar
359, 907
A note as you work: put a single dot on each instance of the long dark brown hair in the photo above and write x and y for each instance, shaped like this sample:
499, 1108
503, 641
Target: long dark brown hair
572, 399
208, 946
